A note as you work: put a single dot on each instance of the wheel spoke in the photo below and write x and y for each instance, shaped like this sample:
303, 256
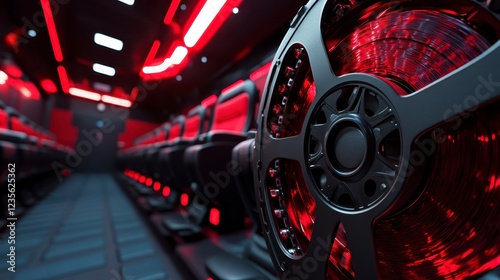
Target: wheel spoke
360, 239
382, 130
454, 95
325, 228
288, 147
312, 40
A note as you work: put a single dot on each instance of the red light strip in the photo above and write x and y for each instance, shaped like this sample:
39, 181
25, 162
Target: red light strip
171, 11
203, 21
85, 94
214, 217
51, 27
116, 101
233, 87
152, 52
63, 78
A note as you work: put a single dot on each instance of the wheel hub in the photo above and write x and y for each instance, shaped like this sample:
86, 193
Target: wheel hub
347, 156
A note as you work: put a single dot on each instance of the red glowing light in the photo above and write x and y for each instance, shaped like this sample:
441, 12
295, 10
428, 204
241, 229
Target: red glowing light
232, 87
184, 199
214, 217
157, 186
51, 26
149, 182
209, 101
166, 191
85, 94
48, 85
116, 101
142, 179
171, 11
63, 78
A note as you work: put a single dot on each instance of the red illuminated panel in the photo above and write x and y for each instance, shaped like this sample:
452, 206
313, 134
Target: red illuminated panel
171, 11
166, 191
51, 26
214, 217
184, 199
61, 124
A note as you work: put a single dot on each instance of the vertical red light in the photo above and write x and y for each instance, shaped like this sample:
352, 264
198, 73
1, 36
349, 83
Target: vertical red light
63, 78
166, 191
51, 27
214, 216
184, 199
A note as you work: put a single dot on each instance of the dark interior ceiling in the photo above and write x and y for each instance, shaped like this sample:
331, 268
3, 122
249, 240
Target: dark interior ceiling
250, 35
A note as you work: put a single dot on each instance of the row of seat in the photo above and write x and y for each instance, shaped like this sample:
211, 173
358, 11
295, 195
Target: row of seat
30, 149
193, 177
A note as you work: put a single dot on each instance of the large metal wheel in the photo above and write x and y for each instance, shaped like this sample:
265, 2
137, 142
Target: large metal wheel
377, 153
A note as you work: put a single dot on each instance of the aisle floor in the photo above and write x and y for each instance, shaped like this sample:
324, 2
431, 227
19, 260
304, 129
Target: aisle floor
86, 229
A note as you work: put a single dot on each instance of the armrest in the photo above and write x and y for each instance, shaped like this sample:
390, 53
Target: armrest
13, 136
226, 136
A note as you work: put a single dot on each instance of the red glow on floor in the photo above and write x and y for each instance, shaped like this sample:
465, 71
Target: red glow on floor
184, 199
214, 217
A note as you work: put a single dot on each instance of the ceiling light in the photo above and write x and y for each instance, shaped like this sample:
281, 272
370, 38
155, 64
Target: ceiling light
183, 7
178, 55
157, 68
103, 69
108, 42
85, 94
204, 59
178, 78
31, 33
236, 10
116, 101
202, 21
128, 2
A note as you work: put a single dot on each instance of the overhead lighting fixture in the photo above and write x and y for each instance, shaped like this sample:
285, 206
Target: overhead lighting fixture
157, 68
236, 10
128, 2
51, 27
171, 11
202, 21
32, 33
85, 94
103, 69
116, 101
63, 78
178, 55
108, 42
